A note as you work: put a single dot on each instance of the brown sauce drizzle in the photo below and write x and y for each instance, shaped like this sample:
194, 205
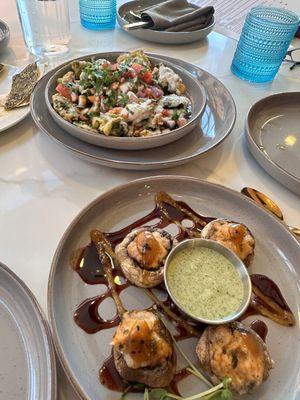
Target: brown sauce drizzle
268, 301
260, 328
109, 376
167, 211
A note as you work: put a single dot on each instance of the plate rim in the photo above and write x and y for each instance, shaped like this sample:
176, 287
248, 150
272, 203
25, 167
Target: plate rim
116, 163
59, 350
45, 326
255, 149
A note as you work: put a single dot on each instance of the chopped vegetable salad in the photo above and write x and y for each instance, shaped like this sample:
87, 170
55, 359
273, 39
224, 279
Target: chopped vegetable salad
129, 97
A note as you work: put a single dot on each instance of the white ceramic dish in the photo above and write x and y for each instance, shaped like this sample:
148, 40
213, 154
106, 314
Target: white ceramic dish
158, 36
195, 92
27, 361
9, 118
273, 137
277, 255
216, 123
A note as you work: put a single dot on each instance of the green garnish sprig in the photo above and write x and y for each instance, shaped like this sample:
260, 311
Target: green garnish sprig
218, 392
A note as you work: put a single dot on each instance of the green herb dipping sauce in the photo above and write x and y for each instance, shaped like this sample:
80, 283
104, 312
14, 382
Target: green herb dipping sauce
205, 283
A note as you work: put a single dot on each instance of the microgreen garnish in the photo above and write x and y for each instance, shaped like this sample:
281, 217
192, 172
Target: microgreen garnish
218, 392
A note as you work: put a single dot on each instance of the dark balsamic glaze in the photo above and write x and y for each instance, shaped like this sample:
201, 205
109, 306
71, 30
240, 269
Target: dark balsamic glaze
109, 376
91, 271
268, 301
260, 328
269, 288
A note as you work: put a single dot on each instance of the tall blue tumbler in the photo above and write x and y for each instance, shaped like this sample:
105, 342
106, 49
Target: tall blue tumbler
266, 36
98, 14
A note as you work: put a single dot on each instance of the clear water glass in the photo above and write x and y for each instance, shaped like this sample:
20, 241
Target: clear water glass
265, 38
98, 14
45, 26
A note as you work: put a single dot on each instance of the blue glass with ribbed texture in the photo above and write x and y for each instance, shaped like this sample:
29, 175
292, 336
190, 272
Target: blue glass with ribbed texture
98, 14
265, 38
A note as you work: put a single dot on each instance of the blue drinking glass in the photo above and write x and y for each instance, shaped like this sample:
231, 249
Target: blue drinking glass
265, 38
98, 14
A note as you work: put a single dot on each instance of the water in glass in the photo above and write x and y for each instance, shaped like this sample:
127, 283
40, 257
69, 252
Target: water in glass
45, 25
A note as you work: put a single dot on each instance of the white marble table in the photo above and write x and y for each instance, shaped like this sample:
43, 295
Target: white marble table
43, 186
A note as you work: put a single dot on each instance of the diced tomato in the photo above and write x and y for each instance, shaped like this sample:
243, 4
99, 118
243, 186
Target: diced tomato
63, 90
137, 67
166, 113
156, 92
146, 77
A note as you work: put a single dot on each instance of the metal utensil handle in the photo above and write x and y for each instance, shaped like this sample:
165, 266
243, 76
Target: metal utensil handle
269, 205
138, 25
294, 230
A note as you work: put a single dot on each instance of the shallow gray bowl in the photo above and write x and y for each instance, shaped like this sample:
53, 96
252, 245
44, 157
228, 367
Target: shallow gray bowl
195, 92
152, 35
273, 137
235, 261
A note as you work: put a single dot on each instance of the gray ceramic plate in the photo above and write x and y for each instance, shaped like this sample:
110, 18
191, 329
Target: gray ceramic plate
195, 92
273, 136
158, 36
277, 255
27, 360
4, 35
216, 123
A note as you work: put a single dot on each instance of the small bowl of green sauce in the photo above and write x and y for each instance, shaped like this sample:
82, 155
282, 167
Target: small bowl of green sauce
207, 281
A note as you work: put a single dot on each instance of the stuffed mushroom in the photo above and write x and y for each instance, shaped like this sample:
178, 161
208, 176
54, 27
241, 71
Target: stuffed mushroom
142, 254
143, 350
236, 236
236, 352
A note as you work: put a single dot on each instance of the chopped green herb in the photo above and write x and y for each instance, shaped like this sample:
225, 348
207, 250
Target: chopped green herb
175, 116
123, 99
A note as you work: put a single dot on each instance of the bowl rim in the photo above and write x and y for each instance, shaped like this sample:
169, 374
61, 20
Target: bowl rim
125, 138
235, 261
